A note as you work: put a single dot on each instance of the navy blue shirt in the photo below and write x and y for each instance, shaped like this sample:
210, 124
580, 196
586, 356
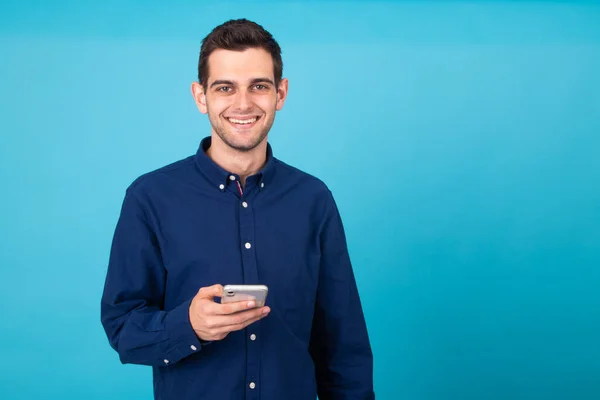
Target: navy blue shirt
190, 225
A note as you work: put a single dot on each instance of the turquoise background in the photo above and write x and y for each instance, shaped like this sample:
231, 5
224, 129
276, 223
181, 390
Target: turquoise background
461, 140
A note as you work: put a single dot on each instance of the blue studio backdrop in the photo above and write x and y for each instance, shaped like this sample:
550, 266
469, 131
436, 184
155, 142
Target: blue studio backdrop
460, 139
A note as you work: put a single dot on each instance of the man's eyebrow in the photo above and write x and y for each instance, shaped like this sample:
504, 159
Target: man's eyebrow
259, 80
252, 82
221, 82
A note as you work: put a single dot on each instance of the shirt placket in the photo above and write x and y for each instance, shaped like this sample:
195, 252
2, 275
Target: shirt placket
250, 273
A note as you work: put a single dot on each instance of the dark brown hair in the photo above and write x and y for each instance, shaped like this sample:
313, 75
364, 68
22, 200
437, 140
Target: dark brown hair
238, 35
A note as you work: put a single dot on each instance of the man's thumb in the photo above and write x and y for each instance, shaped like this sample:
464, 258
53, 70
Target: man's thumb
211, 291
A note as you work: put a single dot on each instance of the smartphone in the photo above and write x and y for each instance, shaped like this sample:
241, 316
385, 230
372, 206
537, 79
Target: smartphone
233, 293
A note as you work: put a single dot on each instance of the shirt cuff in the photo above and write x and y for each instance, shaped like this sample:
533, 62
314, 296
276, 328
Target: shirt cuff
182, 336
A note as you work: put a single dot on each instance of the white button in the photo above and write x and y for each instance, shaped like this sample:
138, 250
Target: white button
193, 347
221, 186
245, 205
232, 178
262, 185
248, 245
166, 361
252, 385
253, 337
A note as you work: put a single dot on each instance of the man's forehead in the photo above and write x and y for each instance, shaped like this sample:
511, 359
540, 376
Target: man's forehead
240, 66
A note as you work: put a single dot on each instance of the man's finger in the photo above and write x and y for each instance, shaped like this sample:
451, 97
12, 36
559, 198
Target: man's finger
225, 321
242, 325
212, 308
230, 308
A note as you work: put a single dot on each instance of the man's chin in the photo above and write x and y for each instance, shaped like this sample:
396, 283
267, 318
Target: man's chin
243, 145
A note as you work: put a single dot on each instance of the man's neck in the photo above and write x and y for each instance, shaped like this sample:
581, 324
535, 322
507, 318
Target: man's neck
242, 163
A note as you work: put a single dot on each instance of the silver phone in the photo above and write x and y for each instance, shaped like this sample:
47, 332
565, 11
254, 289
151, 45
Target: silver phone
233, 293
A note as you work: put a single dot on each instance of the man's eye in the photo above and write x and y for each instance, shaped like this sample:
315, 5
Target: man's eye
224, 89
260, 87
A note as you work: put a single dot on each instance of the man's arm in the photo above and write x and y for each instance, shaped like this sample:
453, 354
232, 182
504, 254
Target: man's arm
132, 313
339, 344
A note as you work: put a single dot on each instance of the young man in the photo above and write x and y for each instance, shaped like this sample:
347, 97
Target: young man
234, 214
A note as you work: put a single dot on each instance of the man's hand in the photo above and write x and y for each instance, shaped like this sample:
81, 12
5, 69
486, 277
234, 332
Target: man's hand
213, 321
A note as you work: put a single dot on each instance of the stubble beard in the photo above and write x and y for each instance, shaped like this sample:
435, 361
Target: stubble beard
218, 126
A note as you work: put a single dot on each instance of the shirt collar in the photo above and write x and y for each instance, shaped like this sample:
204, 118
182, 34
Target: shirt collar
219, 176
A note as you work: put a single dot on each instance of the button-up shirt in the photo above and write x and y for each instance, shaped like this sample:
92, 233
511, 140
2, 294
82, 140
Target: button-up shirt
191, 224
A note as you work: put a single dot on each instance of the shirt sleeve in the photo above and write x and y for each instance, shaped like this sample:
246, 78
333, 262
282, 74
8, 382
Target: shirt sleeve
339, 344
132, 313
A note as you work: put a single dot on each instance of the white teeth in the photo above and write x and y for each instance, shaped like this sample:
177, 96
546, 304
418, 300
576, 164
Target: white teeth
243, 121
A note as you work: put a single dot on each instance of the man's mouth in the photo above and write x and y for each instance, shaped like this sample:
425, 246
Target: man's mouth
243, 122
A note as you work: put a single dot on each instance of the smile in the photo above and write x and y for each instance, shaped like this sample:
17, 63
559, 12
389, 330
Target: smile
246, 121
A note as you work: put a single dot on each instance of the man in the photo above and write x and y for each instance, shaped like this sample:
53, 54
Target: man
234, 214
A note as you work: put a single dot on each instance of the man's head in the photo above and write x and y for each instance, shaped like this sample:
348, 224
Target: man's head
240, 83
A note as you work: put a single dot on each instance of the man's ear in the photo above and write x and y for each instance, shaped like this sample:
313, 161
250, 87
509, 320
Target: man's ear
282, 91
199, 97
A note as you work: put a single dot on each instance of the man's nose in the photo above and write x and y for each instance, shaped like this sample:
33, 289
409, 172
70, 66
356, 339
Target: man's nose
243, 100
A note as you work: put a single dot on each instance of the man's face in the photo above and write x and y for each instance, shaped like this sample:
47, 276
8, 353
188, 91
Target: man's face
241, 97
